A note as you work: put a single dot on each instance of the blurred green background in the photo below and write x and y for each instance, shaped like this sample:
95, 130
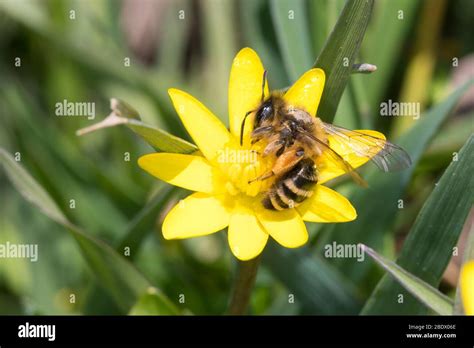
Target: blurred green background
423, 53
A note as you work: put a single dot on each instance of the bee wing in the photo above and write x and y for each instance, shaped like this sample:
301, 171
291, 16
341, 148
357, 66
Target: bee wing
332, 156
387, 156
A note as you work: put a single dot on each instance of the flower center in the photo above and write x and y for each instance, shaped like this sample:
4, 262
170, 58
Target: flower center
245, 168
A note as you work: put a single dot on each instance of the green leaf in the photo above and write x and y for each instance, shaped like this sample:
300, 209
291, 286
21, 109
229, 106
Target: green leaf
144, 222
118, 276
423, 291
339, 53
122, 113
377, 205
384, 42
30, 189
318, 286
254, 16
429, 245
322, 18
218, 22
289, 18
152, 303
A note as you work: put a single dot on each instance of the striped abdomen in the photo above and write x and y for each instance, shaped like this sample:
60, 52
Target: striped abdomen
292, 188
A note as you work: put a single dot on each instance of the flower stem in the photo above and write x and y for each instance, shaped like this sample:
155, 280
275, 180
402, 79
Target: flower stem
243, 284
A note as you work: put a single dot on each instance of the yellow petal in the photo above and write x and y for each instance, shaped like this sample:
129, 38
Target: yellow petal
286, 226
306, 92
245, 88
207, 131
247, 238
327, 170
196, 215
190, 172
467, 287
327, 205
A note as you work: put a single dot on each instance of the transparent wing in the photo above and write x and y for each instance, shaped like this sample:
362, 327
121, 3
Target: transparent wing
332, 156
387, 156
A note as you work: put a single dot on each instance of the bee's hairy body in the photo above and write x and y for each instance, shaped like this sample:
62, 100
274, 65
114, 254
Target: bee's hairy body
292, 188
298, 141
285, 131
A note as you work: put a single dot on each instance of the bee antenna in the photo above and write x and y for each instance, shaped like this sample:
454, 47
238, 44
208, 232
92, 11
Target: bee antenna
248, 113
263, 85
243, 126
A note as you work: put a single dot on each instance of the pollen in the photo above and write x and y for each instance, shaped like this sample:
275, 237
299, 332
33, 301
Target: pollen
244, 170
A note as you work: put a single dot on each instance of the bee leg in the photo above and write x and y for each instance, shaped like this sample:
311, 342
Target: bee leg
259, 133
262, 177
273, 147
262, 131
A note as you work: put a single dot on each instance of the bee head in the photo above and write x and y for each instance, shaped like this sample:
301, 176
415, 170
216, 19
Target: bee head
264, 113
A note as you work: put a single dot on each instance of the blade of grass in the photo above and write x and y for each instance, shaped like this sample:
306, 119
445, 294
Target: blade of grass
429, 245
119, 277
377, 206
152, 303
423, 291
289, 19
339, 53
218, 23
385, 37
143, 222
122, 113
319, 287
254, 14
34, 16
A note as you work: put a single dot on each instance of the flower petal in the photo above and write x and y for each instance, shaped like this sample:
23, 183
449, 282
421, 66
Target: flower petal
207, 131
286, 226
245, 87
196, 215
327, 205
306, 92
187, 171
247, 238
328, 170
467, 287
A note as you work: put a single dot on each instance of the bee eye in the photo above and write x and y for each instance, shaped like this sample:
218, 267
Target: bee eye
265, 112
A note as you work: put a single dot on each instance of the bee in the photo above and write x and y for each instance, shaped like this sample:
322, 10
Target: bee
298, 141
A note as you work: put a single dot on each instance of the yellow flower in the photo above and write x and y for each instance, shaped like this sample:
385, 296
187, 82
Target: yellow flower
467, 287
223, 195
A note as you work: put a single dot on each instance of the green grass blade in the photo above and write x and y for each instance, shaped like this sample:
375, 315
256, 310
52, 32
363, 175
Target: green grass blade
377, 205
145, 220
152, 303
340, 52
429, 245
289, 18
160, 140
385, 37
115, 274
30, 189
316, 285
423, 291
254, 14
